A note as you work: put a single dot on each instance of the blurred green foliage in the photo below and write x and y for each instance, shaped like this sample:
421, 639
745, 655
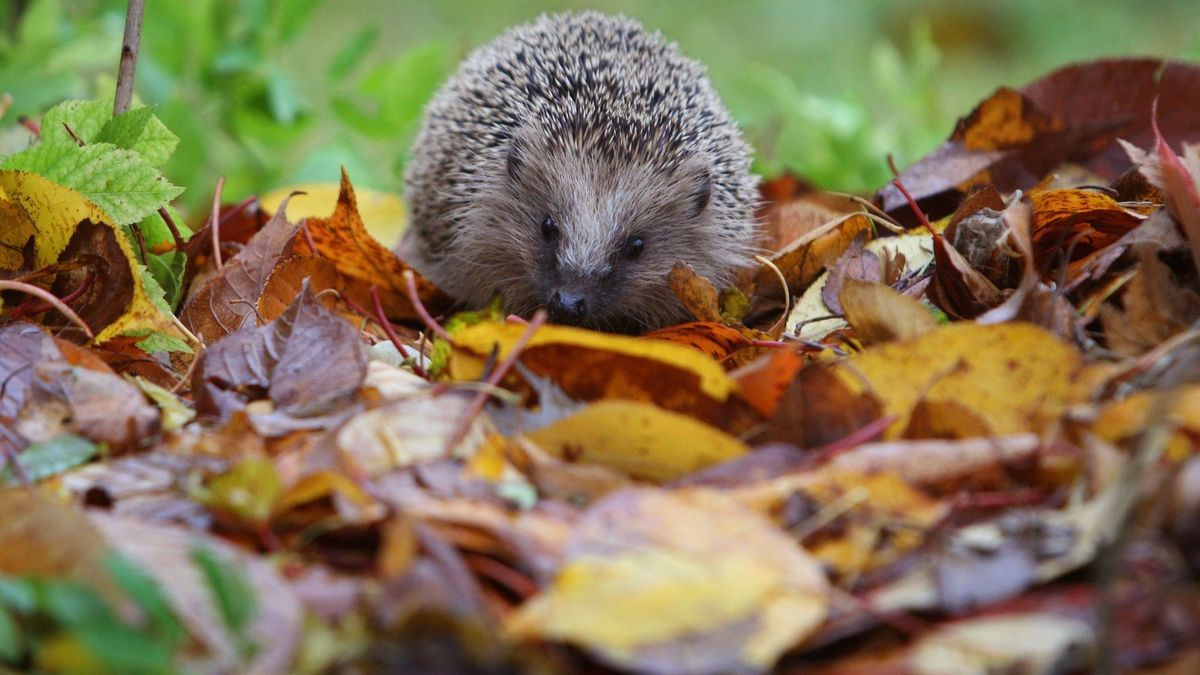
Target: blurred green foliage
275, 92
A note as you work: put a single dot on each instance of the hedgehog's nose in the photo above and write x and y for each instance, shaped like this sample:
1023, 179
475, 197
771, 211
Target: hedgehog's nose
566, 307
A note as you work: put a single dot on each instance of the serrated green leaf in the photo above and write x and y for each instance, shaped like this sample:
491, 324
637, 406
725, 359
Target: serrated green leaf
153, 341
124, 129
141, 131
154, 291
167, 271
85, 118
119, 181
48, 458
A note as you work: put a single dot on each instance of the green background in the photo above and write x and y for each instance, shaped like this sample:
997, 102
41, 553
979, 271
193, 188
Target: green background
273, 92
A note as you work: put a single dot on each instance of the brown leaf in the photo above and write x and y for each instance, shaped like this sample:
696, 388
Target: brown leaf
365, 262
817, 409
879, 314
713, 338
959, 289
1076, 112
1154, 306
856, 263
227, 301
286, 280
47, 538
94, 249
308, 362
696, 293
804, 259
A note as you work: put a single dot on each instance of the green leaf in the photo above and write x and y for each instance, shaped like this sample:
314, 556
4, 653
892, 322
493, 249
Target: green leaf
144, 590
167, 271
153, 342
231, 592
122, 649
47, 458
141, 131
154, 291
12, 642
85, 118
119, 181
175, 413
18, 595
124, 130
72, 604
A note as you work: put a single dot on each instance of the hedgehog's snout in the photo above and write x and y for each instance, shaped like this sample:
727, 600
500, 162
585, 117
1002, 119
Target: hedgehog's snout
567, 307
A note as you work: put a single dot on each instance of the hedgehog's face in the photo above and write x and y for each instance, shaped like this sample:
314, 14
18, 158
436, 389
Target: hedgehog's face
597, 238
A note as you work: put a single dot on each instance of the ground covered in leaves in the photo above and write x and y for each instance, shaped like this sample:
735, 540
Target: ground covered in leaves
947, 428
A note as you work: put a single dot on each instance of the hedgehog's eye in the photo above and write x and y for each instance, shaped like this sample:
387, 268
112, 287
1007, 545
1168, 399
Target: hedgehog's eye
549, 229
634, 246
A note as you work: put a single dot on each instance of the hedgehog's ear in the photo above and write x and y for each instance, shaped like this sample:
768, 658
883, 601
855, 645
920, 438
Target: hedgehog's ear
701, 190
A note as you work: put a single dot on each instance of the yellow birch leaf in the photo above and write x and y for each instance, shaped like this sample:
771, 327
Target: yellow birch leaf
475, 344
685, 581
55, 212
638, 439
1015, 377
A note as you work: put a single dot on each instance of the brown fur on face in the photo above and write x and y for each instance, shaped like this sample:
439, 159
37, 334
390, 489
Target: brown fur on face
605, 129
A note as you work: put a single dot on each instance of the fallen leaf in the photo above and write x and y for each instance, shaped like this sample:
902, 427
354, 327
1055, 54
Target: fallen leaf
702, 605
308, 362
1015, 377
363, 261
638, 439
226, 302
879, 314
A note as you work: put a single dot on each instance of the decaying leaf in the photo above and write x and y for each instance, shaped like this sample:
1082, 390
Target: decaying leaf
689, 599
638, 439
1015, 377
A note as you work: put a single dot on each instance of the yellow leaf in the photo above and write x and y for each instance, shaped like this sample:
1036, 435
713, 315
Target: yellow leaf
687, 581
1125, 419
1014, 377
54, 212
249, 490
322, 484
877, 518
477, 341
638, 439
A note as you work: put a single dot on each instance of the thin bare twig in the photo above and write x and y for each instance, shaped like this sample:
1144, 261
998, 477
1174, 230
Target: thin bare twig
214, 224
476, 405
129, 53
381, 317
410, 285
50, 298
162, 213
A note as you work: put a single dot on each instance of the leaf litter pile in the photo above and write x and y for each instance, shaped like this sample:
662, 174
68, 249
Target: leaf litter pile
952, 428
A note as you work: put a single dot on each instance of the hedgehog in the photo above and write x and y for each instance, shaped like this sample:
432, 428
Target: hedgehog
569, 165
